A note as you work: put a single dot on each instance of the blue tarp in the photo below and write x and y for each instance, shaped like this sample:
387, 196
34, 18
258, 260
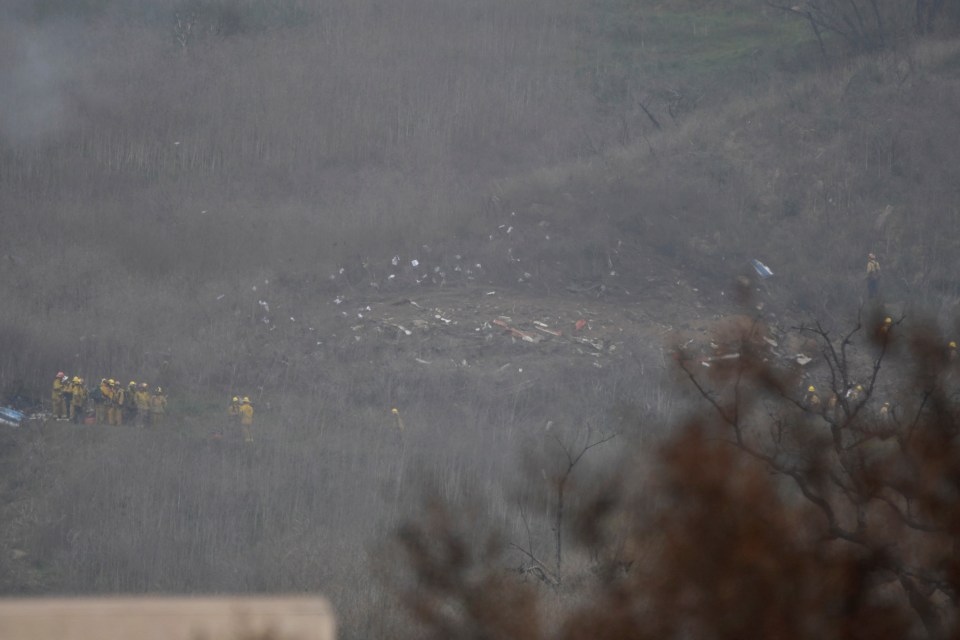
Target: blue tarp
11, 417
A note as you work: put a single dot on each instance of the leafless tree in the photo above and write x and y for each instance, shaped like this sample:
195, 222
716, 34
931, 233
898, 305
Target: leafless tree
772, 515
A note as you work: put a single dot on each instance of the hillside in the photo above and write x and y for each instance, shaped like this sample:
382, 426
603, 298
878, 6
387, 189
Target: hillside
500, 220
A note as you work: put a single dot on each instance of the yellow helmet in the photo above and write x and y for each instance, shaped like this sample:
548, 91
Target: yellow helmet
76, 379
395, 411
132, 384
246, 400
888, 320
811, 388
236, 399
111, 382
859, 387
952, 344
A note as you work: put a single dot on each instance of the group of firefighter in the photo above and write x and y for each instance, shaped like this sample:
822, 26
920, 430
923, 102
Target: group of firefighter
812, 400
113, 404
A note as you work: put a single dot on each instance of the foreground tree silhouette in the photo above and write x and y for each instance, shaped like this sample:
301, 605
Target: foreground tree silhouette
764, 518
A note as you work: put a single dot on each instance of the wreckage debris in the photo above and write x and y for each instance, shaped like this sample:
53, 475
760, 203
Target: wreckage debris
762, 270
11, 417
517, 333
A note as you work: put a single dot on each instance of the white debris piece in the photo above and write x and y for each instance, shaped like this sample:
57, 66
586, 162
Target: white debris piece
221, 296
395, 261
414, 263
803, 360
338, 300
762, 270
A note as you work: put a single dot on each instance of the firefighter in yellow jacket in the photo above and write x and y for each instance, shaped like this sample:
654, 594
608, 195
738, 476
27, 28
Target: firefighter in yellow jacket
811, 400
101, 401
233, 411
158, 407
115, 412
142, 401
129, 405
78, 400
246, 419
59, 402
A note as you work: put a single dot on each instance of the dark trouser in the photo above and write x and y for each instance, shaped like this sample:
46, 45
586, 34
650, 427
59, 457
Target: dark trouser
873, 287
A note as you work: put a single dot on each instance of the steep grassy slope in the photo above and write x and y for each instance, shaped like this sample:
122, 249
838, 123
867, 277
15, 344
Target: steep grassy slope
221, 214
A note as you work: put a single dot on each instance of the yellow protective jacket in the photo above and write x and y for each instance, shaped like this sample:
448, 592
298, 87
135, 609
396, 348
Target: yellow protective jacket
79, 395
873, 268
118, 397
158, 404
57, 388
246, 414
143, 400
